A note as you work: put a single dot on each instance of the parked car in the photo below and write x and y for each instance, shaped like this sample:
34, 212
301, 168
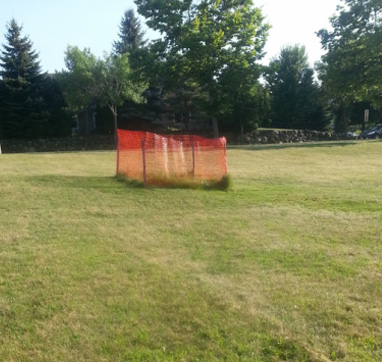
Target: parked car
374, 132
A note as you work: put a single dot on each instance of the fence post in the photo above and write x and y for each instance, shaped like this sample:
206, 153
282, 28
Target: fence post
225, 156
144, 162
193, 156
117, 155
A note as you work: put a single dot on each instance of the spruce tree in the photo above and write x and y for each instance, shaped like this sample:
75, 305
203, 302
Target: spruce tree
131, 35
23, 112
296, 99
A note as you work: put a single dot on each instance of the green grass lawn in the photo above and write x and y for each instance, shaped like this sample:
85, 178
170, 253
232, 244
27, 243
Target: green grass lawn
285, 266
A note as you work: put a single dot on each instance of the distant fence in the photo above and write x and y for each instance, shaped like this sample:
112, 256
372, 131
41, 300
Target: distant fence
285, 136
106, 142
152, 158
59, 144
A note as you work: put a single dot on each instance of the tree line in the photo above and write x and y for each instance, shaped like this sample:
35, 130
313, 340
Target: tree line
205, 62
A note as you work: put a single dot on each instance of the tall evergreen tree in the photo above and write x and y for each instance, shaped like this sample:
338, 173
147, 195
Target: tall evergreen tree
245, 99
60, 116
296, 101
23, 112
2, 100
131, 35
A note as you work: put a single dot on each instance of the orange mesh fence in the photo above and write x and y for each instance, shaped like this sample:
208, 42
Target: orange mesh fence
150, 157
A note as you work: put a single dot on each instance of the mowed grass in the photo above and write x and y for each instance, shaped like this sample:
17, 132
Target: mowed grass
287, 266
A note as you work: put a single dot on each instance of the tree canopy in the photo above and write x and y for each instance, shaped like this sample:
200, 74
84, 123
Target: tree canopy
199, 39
130, 34
351, 69
204, 64
115, 84
295, 97
108, 81
77, 79
22, 107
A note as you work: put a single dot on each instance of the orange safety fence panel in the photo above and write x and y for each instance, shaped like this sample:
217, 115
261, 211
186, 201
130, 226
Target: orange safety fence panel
147, 157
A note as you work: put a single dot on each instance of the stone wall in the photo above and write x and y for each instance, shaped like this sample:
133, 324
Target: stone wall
292, 136
75, 143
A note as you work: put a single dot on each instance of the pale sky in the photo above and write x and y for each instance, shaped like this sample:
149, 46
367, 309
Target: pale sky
296, 22
54, 24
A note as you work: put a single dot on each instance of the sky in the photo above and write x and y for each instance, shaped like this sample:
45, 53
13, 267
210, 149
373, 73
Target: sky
52, 25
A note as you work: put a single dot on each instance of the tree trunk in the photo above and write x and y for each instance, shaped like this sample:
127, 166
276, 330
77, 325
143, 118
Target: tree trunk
186, 117
241, 134
115, 118
344, 119
365, 119
87, 121
340, 125
115, 128
215, 127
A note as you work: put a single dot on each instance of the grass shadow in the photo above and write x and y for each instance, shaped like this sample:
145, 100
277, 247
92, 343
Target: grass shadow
106, 183
224, 184
292, 145
75, 182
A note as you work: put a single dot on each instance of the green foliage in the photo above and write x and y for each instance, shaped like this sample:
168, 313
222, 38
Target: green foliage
23, 110
60, 117
351, 69
77, 79
108, 81
130, 35
199, 40
296, 100
2, 105
131, 42
244, 101
352, 64
114, 84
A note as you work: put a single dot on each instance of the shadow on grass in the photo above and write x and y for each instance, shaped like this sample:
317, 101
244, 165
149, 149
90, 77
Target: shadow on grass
292, 145
85, 182
109, 183
224, 184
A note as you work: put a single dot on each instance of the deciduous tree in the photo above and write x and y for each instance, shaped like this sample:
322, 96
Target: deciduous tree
351, 69
295, 97
77, 80
199, 39
115, 84
107, 80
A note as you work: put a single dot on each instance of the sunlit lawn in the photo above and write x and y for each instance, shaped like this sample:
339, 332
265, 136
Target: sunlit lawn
285, 266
